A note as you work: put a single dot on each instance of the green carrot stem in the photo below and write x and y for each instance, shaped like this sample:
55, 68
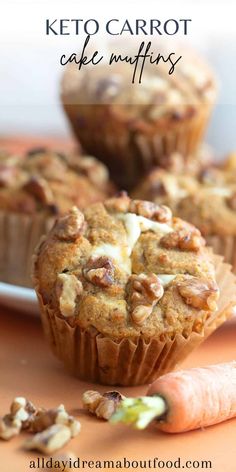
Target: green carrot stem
139, 412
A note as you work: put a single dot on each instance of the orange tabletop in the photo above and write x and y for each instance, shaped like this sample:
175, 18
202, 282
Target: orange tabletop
29, 369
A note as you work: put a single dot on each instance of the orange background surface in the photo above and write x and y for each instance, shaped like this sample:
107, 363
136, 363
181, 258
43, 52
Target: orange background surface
29, 369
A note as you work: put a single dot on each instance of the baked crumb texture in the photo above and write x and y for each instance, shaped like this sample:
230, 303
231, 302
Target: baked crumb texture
43, 181
207, 200
126, 268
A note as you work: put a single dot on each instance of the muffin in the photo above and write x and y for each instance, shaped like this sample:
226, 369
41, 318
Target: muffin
207, 200
131, 126
34, 189
126, 291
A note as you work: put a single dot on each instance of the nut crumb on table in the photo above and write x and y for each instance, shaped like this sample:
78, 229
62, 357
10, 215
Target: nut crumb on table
102, 405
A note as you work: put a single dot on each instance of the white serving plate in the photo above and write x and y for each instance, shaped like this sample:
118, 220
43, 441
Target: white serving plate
19, 298
25, 300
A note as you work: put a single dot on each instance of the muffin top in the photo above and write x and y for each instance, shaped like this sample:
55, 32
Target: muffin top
50, 182
208, 199
126, 268
160, 95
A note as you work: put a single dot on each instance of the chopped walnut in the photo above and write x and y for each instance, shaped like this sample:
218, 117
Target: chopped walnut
20, 416
46, 418
183, 239
231, 201
40, 189
24, 410
199, 293
49, 440
145, 291
68, 289
119, 204
9, 427
151, 210
100, 271
103, 406
91, 400
71, 226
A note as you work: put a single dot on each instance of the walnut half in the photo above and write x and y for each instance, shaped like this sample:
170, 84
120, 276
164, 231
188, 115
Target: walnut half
183, 239
100, 271
199, 293
145, 291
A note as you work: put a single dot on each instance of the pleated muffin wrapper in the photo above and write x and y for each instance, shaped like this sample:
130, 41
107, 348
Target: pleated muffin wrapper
130, 151
19, 235
98, 358
225, 246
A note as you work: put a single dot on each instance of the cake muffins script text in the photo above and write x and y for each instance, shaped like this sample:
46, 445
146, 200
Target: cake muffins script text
144, 54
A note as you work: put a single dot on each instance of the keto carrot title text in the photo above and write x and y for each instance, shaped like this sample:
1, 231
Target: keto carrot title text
144, 53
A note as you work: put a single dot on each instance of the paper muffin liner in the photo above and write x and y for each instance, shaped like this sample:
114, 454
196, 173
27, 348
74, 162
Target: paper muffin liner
225, 246
94, 357
130, 153
19, 235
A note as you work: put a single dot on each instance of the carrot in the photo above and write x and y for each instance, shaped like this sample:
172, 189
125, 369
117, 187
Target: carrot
185, 400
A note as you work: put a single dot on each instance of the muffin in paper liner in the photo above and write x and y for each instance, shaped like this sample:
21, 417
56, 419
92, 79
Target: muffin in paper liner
132, 126
93, 357
129, 152
19, 235
206, 199
35, 188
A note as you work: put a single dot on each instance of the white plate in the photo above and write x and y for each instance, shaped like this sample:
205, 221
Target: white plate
19, 298
25, 300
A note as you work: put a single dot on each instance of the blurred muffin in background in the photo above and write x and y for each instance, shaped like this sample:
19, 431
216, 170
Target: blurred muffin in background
34, 190
207, 200
132, 127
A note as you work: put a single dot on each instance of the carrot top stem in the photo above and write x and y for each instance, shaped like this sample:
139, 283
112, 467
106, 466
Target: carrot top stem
139, 412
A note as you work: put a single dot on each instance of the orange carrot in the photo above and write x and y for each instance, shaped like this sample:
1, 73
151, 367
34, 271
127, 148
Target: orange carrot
185, 400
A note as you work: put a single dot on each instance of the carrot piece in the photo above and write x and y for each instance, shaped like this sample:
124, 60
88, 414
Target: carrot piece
193, 399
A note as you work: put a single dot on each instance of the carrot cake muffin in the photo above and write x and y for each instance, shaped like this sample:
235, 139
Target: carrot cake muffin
132, 127
124, 288
207, 200
34, 189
